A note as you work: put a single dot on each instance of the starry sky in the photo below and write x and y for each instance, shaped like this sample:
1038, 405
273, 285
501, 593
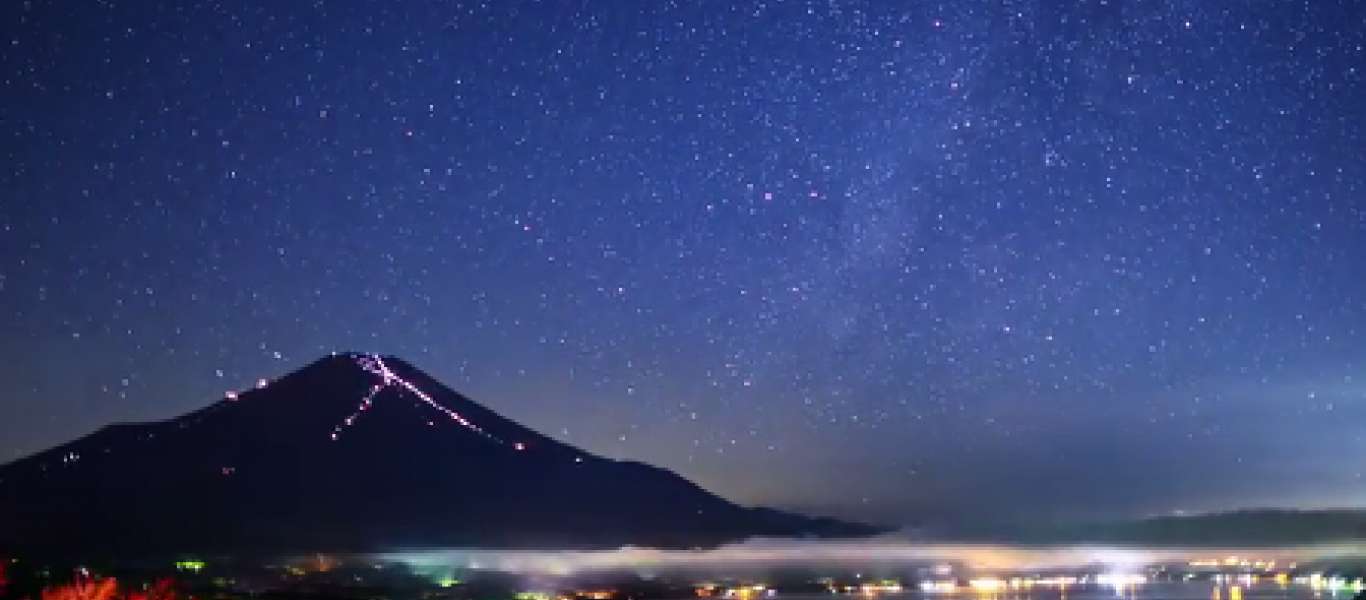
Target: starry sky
898, 261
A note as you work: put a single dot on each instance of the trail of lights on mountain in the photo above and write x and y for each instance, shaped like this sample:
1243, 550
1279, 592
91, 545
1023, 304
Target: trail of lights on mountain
375, 365
364, 405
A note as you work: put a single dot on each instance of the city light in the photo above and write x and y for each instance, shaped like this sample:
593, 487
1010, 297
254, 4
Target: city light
748, 591
939, 586
987, 584
886, 586
192, 566
1120, 579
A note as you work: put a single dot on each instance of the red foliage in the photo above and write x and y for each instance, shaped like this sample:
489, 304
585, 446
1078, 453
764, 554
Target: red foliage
88, 588
163, 589
84, 589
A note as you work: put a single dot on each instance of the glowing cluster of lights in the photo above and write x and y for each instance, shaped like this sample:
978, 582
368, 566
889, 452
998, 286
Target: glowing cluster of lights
994, 585
746, 592
987, 584
375, 365
1060, 581
886, 586
1121, 579
939, 586
1121, 582
193, 566
1236, 561
1333, 584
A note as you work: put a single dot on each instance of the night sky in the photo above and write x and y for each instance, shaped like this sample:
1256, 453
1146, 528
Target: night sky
894, 261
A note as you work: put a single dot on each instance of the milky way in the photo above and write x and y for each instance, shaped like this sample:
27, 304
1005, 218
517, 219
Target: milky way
895, 261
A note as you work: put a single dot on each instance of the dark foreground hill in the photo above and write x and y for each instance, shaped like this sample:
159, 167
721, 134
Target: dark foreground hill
355, 453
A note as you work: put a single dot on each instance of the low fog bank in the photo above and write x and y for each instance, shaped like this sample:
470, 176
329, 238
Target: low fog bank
888, 551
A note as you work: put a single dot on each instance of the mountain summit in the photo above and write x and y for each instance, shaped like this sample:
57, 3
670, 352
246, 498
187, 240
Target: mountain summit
355, 452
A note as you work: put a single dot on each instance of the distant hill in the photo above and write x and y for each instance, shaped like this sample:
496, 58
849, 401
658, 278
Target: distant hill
355, 452
1253, 527
1259, 526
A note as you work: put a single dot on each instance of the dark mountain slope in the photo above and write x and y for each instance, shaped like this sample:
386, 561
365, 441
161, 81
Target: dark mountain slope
306, 463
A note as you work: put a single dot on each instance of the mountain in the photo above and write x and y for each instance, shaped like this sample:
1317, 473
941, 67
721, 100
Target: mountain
353, 453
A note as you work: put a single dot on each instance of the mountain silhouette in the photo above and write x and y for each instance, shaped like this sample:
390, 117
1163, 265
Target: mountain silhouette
355, 453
